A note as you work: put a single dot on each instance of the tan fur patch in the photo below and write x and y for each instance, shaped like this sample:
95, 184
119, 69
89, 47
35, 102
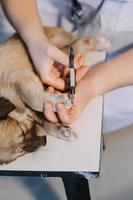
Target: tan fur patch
23, 130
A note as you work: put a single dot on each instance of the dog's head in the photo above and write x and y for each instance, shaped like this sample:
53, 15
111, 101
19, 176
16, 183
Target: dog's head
21, 132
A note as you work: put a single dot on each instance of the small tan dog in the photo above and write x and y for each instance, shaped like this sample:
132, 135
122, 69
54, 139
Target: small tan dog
23, 128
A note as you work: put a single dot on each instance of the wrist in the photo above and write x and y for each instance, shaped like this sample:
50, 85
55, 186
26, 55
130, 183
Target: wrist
37, 42
89, 87
85, 91
32, 36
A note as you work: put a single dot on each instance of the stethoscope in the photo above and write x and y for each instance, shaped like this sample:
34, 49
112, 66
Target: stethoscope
79, 16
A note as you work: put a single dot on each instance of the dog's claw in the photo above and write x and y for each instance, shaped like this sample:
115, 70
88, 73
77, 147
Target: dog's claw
66, 133
59, 130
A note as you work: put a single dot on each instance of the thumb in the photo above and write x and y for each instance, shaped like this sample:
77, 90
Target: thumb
57, 55
81, 72
58, 84
79, 60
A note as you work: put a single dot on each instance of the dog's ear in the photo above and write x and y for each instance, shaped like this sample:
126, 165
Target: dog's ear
5, 107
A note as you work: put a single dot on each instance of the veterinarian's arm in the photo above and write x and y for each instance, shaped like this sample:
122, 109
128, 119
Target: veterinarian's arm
24, 17
103, 78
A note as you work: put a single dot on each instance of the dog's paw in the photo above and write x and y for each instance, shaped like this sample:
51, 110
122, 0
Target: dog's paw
58, 98
65, 133
85, 45
60, 131
100, 43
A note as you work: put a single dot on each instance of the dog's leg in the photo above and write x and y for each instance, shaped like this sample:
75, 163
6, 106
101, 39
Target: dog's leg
60, 131
33, 94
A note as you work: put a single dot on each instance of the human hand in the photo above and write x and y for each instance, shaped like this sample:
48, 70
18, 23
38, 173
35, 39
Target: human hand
52, 64
67, 116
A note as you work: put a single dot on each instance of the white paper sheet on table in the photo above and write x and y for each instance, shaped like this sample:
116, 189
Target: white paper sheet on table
80, 155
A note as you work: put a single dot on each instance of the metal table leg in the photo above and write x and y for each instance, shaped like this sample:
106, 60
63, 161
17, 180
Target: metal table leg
77, 188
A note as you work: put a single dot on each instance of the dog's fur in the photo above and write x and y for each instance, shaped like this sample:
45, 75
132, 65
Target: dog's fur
23, 128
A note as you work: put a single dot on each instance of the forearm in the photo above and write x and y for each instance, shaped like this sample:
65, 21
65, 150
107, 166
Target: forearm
24, 17
107, 76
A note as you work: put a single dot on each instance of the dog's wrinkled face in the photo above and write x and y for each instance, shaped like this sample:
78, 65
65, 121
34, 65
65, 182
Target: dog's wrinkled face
23, 128
20, 132
32, 141
24, 131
